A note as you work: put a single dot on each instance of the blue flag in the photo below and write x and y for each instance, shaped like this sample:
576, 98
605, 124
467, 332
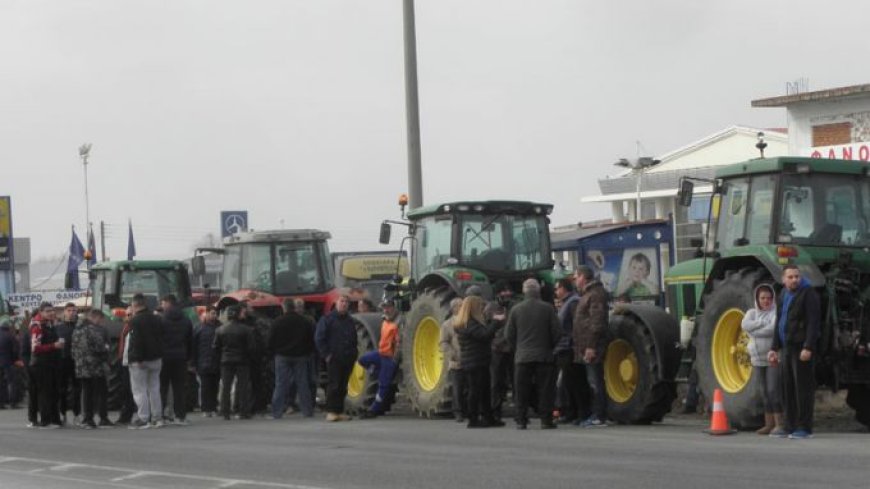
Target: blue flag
76, 257
92, 249
131, 245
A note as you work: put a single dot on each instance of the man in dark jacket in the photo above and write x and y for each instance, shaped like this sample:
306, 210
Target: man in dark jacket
145, 355
291, 342
337, 343
798, 326
574, 388
177, 346
30, 373
589, 330
46, 349
9, 357
205, 360
260, 371
234, 346
69, 385
532, 331
502, 366
90, 351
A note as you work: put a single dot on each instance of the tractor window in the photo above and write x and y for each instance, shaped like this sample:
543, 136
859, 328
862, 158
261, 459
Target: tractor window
797, 212
483, 242
257, 267
824, 210
761, 209
97, 287
296, 270
231, 269
433, 243
153, 284
732, 213
505, 242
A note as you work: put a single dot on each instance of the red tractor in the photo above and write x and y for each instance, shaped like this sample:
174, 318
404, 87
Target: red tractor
266, 267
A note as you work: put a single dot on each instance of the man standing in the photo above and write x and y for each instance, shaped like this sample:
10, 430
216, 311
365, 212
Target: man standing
573, 374
69, 387
502, 366
128, 405
291, 342
532, 332
449, 342
90, 352
46, 355
590, 328
234, 344
798, 326
9, 358
337, 343
259, 368
382, 363
177, 346
145, 355
205, 360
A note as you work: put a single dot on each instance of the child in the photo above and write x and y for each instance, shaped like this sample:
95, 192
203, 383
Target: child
636, 282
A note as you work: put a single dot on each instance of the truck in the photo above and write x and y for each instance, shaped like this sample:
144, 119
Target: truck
368, 272
454, 246
765, 214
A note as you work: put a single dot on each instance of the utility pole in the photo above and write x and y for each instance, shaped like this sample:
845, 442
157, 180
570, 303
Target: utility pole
103, 240
412, 108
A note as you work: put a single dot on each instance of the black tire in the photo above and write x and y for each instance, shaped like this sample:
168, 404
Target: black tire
428, 389
744, 407
368, 335
858, 399
652, 397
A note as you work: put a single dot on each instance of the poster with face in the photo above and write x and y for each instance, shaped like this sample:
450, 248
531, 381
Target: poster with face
638, 276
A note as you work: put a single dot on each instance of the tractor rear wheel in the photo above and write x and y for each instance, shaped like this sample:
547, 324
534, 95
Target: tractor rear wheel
635, 392
723, 360
424, 367
858, 399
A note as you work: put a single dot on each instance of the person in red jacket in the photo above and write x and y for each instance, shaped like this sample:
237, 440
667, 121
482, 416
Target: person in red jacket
382, 363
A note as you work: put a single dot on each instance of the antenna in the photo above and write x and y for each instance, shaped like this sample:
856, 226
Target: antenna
798, 86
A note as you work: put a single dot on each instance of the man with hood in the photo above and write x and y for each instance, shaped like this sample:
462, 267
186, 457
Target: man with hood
177, 352
798, 326
760, 323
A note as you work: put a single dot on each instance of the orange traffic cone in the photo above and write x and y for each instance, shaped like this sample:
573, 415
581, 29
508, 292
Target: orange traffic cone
719, 422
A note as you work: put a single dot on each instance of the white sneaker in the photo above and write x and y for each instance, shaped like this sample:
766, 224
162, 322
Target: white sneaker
158, 424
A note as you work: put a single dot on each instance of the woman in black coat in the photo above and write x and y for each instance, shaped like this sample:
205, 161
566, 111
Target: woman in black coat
475, 344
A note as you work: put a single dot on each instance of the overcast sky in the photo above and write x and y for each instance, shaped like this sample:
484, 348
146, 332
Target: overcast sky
294, 110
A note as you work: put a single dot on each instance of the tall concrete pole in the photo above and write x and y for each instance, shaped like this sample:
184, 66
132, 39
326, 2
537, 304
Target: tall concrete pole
412, 109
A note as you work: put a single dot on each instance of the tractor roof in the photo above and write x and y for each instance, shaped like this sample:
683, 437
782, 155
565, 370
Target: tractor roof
790, 164
138, 265
482, 207
278, 236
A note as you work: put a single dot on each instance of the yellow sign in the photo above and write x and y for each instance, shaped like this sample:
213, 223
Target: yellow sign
366, 267
5, 218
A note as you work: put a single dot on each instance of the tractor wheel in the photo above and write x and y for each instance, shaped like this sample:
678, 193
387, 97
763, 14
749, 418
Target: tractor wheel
424, 367
635, 394
723, 360
858, 399
362, 387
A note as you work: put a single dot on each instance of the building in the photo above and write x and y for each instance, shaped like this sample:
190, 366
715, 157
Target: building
659, 183
832, 123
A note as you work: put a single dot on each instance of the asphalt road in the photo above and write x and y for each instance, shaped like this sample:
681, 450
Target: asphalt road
406, 452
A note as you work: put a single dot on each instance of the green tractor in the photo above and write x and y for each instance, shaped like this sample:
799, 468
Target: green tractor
764, 214
112, 286
455, 246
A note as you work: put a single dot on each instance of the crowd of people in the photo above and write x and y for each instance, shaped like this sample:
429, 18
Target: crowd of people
550, 356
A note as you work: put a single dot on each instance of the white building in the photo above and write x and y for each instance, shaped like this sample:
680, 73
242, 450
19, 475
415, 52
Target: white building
659, 183
833, 123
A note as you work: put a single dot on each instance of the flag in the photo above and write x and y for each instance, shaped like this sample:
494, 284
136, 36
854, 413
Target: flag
131, 245
76, 257
92, 249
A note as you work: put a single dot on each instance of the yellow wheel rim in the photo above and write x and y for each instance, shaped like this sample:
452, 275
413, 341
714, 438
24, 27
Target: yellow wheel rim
620, 371
730, 353
357, 382
427, 357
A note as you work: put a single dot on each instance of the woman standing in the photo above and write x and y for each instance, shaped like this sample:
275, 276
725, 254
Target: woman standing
475, 344
760, 324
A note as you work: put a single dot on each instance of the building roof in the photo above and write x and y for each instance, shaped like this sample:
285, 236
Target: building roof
819, 95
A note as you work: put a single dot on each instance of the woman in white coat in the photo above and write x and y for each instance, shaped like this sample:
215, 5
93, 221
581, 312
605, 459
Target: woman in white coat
760, 324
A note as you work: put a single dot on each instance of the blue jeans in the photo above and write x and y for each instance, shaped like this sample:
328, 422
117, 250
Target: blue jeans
595, 378
384, 368
293, 369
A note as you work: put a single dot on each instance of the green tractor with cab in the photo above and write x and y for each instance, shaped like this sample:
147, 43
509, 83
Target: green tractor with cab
765, 214
454, 246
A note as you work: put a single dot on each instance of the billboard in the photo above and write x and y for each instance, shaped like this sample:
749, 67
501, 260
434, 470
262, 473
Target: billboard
233, 222
6, 233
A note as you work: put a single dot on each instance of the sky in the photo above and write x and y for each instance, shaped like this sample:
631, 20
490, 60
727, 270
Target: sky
294, 110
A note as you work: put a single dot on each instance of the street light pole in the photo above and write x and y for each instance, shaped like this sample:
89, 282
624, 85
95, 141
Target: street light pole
637, 167
412, 108
84, 152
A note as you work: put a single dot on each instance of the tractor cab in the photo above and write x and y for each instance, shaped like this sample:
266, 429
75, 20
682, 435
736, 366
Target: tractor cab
113, 284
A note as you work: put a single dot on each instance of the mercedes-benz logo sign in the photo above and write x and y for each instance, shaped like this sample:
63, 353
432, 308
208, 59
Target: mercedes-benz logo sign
235, 224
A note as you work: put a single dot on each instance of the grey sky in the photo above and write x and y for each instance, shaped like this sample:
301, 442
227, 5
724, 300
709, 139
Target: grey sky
294, 110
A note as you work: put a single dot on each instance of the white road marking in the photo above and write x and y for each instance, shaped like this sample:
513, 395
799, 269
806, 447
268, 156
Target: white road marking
58, 466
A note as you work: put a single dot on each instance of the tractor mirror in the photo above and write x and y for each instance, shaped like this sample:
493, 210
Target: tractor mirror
197, 265
386, 230
687, 188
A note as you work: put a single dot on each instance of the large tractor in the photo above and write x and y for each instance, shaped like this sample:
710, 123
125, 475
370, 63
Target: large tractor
112, 286
765, 214
454, 246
